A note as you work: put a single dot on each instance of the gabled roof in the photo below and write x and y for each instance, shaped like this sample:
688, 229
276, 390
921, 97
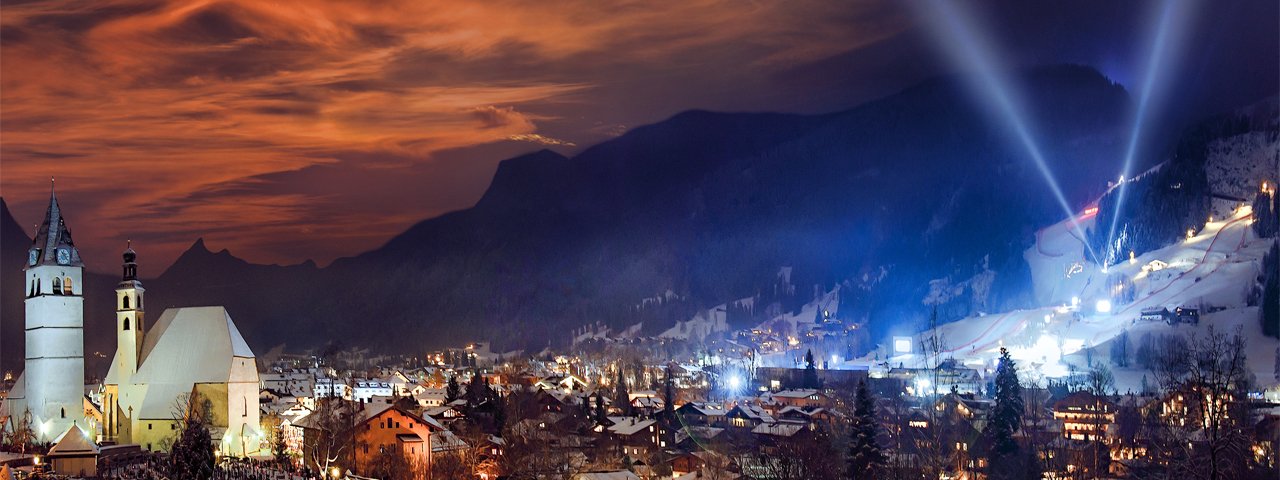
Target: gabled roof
74, 441
704, 409
628, 425
193, 345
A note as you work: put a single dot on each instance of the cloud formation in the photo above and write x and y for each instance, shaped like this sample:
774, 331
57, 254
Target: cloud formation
296, 129
324, 122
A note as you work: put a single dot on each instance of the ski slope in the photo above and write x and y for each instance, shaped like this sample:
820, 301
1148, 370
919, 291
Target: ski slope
1212, 270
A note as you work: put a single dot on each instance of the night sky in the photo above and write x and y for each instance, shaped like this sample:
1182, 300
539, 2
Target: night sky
318, 129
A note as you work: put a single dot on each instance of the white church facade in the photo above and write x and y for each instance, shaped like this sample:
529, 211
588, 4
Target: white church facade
190, 352
49, 394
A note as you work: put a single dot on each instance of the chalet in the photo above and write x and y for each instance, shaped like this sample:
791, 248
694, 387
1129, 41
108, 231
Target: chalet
646, 406
748, 416
396, 429
638, 437
796, 398
431, 397
694, 438
703, 414
1084, 416
815, 417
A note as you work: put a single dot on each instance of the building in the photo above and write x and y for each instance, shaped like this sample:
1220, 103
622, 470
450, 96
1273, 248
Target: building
50, 390
74, 453
367, 389
191, 352
327, 387
1085, 416
391, 428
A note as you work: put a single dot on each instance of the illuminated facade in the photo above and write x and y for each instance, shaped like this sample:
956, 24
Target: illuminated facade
189, 351
51, 387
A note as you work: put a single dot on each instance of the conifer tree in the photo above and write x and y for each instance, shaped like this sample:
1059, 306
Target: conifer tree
191, 456
866, 458
810, 372
600, 413
1006, 418
621, 398
452, 389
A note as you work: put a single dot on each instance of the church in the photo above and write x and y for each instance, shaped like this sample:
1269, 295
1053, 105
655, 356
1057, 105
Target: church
190, 352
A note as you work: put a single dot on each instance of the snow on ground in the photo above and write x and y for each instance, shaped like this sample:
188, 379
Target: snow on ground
1214, 269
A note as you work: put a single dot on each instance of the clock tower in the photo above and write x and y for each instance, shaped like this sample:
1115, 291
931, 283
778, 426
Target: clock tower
54, 373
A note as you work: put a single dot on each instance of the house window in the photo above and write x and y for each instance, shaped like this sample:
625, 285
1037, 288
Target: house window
57, 285
66, 286
64, 413
148, 428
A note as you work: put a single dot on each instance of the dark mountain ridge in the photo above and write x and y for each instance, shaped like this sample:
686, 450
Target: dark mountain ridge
708, 206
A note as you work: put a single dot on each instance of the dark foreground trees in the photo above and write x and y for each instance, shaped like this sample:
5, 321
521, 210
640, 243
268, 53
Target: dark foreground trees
191, 456
866, 458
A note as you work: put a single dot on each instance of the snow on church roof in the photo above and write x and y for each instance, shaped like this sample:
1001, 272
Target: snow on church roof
191, 344
187, 346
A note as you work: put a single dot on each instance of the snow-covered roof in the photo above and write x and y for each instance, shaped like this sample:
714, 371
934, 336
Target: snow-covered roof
192, 345
778, 429
74, 441
628, 425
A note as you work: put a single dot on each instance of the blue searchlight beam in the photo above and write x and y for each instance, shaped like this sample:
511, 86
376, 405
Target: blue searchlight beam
953, 31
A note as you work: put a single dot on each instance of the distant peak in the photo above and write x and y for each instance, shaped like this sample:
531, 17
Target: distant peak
199, 246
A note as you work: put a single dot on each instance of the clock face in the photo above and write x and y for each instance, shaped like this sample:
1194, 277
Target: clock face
32, 256
64, 256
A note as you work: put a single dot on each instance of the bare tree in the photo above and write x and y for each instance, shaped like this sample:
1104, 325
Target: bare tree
1207, 381
332, 425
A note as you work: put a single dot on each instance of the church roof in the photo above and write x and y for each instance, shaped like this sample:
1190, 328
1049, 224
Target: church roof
191, 344
187, 346
54, 233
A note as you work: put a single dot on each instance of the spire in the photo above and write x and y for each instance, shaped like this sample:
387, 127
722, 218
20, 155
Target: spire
53, 234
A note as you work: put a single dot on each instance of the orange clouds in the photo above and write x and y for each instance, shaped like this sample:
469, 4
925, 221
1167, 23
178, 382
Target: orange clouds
165, 121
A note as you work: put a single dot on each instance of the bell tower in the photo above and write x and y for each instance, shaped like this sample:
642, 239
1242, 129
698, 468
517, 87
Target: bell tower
54, 370
130, 327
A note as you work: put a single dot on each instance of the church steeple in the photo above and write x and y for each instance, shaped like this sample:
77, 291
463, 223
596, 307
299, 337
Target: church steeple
130, 322
52, 244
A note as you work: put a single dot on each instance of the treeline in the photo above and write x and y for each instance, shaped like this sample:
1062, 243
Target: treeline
1159, 208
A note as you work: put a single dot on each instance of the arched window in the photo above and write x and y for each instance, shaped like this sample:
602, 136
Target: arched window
38, 286
124, 302
64, 412
57, 285
32, 292
66, 286
126, 323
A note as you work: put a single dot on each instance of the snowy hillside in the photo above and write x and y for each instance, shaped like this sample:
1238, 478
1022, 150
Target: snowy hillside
1236, 164
1084, 306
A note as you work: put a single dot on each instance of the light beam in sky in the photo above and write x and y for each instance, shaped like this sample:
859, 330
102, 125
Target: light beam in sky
1165, 38
955, 33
